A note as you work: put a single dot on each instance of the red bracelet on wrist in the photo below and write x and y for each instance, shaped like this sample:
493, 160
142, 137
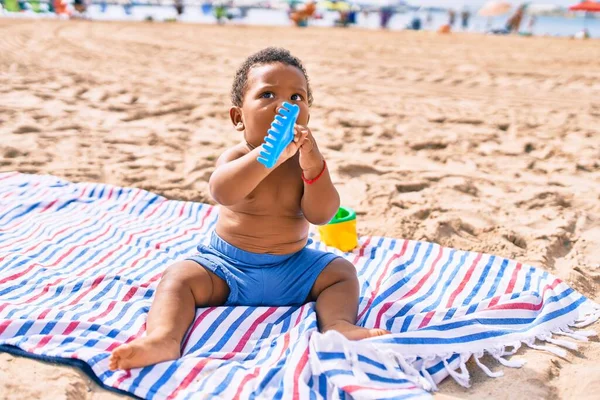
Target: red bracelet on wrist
311, 181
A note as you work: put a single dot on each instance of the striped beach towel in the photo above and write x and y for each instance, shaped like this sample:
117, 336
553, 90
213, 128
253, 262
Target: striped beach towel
80, 262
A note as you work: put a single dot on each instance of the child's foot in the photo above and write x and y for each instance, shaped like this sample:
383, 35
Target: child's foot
144, 351
353, 332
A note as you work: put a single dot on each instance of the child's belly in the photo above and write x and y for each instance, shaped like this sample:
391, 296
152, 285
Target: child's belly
263, 233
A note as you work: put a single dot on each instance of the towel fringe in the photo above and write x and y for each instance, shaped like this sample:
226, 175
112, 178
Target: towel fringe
429, 378
508, 363
500, 352
391, 360
461, 378
413, 372
588, 320
581, 336
554, 350
408, 365
515, 347
562, 343
485, 369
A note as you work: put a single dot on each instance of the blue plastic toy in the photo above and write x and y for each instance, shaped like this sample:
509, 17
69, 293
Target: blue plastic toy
280, 135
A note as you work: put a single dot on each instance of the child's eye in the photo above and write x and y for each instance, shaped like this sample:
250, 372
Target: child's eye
296, 97
267, 95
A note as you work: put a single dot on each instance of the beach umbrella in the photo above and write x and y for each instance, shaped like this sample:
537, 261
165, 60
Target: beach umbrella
326, 4
334, 5
588, 6
342, 6
494, 8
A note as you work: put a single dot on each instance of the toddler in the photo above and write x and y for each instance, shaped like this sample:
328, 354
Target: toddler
258, 254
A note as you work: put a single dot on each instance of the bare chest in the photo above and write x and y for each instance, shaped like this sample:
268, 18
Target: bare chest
280, 193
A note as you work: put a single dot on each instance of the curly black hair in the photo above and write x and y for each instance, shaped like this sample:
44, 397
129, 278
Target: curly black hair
268, 55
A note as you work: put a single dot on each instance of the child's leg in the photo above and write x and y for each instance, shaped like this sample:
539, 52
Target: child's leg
336, 292
183, 287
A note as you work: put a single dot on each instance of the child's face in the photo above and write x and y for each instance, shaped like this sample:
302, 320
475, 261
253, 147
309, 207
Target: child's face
268, 86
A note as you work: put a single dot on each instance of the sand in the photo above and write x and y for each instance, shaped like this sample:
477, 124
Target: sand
480, 143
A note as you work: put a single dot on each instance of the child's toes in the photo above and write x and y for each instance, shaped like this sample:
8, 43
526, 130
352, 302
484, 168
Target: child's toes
113, 363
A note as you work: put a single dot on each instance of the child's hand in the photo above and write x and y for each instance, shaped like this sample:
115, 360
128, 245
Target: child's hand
310, 156
295, 144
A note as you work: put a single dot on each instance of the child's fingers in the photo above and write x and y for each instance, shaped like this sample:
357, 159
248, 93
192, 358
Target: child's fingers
305, 143
301, 128
297, 134
301, 138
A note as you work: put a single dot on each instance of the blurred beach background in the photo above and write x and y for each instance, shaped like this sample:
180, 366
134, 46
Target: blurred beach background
484, 142
552, 18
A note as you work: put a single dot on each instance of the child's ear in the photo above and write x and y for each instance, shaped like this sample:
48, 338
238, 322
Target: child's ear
235, 113
308, 120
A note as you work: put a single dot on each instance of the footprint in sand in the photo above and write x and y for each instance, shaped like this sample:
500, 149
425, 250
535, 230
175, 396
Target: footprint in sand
515, 239
439, 230
407, 187
467, 121
355, 170
11, 152
466, 186
544, 200
27, 129
429, 145
336, 146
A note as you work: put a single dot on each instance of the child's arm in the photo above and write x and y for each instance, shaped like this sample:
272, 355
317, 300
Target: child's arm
320, 201
236, 177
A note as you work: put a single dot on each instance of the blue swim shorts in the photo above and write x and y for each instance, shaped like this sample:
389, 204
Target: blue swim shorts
263, 279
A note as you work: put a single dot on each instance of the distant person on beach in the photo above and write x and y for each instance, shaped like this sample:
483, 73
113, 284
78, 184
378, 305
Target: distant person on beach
353, 15
301, 15
513, 25
179, 7
428, 19
531, 24
342, 19
61, 7
348, 17
220, 11
24, 5
127, 6
80, 6
385, 14
415, 23
451, 17
465, 15
582, 34
258, 254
